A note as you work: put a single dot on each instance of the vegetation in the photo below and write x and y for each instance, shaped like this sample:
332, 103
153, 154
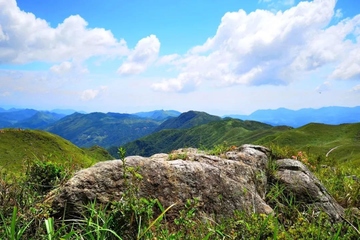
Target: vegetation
188, 120
318, 139
105, 130
18, 148
25, 215
35, 162
232, 131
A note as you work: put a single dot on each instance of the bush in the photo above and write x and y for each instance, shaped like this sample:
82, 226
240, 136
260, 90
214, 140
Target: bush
42, 176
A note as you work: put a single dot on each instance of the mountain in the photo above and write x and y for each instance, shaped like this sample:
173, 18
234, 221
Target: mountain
65, 111
318, 139
298, 118
158, 115
103, 129
231, 131
39, 120
188, 120
17, 147
12, 116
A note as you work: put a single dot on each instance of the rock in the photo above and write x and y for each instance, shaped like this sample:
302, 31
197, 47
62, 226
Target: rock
221, 185
235, 181
306, 188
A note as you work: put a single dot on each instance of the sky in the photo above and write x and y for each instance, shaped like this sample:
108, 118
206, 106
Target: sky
220, 56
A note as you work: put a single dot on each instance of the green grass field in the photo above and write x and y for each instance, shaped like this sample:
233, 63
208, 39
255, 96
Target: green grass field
18, 147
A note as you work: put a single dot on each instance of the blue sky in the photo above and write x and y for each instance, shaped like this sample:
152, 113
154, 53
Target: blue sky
222, 57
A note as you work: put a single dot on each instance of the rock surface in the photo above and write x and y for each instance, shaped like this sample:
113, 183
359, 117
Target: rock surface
235, 181
300, 182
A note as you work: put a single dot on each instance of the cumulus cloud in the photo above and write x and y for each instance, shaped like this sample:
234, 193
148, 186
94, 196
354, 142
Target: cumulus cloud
185, 82
349, 68
90, 94
263, 47
25, 38
145, 53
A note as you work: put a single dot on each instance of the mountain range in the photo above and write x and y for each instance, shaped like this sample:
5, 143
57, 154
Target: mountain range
298, 118
148, 130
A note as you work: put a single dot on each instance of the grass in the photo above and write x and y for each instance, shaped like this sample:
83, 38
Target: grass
19, 146
24, 214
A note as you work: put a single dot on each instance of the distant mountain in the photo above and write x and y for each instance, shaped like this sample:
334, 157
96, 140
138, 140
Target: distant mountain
188, 120
297, 118
103, 129
158, 115
39, 120
233, 131
65, 111
13, 116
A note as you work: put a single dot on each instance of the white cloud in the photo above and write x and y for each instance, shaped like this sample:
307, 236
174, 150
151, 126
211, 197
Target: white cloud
263, 47
90, 94
62, 68
349, 68
25, 38
338, 13
145, 53
325, 86
356, 88
183, 83
67, 67
168, 59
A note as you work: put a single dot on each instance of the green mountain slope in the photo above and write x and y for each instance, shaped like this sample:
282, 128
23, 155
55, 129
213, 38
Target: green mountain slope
188, 120
319, 139
105, 130
233, 131
17, 147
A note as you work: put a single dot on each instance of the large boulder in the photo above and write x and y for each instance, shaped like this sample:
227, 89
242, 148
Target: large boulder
236, 180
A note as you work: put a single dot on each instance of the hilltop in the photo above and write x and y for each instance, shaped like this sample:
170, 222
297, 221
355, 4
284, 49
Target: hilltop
187, 120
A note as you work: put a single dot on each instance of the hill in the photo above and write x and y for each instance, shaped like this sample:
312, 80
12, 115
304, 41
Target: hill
102, 129
298, 118
19, 146
188, 120
318, 139
233, 131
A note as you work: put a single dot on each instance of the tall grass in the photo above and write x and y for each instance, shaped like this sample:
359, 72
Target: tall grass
24, 215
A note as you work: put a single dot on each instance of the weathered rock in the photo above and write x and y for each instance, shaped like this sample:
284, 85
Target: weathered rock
300, 182
235, 181
220, 184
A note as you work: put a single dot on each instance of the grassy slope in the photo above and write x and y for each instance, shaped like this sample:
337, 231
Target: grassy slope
318, 139
231, 131
17, 147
